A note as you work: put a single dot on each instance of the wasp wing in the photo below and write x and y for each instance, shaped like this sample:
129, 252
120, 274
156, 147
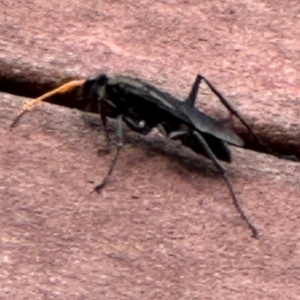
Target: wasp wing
146, 98
205, 123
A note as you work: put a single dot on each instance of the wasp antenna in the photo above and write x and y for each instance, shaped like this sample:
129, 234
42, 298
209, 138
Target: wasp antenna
60, 90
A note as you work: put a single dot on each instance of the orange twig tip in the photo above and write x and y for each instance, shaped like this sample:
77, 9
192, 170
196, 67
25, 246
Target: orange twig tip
69, 86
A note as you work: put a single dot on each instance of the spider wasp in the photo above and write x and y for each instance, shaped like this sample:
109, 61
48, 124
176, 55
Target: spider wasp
142, 107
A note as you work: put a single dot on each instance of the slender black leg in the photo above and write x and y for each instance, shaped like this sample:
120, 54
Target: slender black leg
107, 147
190, 101
228, 106
99, 187
234, 112
211, 155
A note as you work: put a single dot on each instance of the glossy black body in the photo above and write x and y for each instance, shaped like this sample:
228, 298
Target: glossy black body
144, 107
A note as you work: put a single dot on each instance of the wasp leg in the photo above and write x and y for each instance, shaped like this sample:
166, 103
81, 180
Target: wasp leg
138, 126
191, 140
234, 112
100, 187
161, 129
178, 135
222, 170
190, 101
231, 109
107, 148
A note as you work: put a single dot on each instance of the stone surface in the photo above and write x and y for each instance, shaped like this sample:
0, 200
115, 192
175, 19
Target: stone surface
165, 226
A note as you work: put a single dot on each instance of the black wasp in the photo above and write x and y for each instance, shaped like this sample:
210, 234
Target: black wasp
142, 107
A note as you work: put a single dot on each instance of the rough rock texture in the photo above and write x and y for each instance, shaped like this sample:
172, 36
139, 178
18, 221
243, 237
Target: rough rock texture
165, 227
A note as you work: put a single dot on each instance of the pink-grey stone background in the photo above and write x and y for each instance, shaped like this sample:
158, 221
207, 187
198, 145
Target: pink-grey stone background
165, 226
